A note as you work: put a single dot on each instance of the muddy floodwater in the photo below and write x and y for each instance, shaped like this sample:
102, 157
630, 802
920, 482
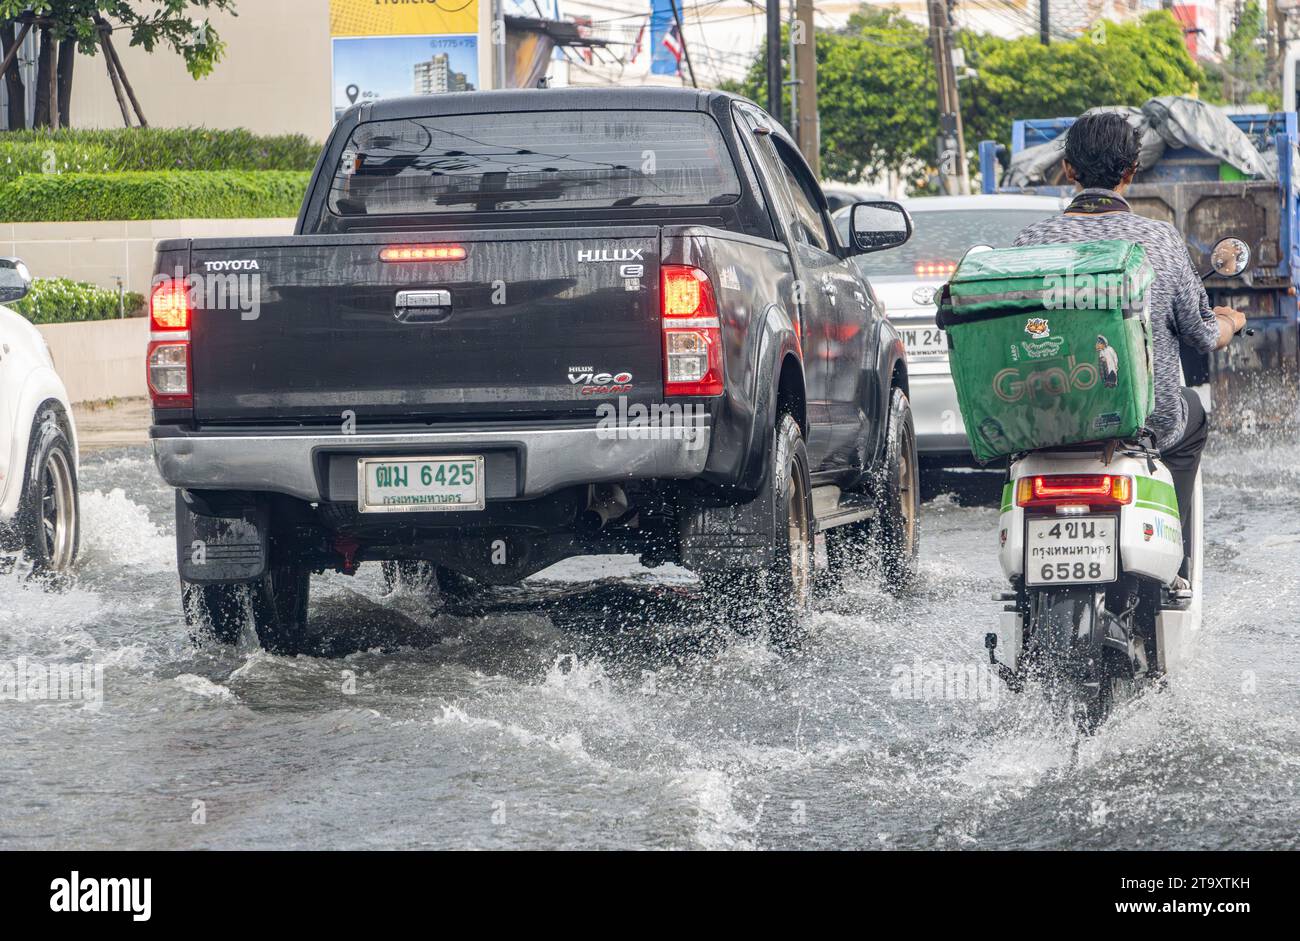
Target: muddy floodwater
602, 706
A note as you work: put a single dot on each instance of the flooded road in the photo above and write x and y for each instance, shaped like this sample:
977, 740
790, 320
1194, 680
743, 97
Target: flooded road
600, 708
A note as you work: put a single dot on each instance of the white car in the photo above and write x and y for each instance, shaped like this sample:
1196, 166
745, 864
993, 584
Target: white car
39, 510
907, 279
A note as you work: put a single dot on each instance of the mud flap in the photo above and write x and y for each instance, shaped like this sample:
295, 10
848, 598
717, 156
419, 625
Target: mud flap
214, 549
1073, 629
736, 535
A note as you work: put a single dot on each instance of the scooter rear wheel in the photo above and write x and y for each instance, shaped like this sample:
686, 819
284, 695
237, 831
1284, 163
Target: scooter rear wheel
1065, 651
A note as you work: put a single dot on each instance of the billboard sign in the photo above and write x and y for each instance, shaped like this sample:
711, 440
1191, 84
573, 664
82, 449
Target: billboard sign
393, 50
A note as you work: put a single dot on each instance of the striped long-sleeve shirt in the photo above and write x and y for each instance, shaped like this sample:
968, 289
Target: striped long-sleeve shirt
1180, 309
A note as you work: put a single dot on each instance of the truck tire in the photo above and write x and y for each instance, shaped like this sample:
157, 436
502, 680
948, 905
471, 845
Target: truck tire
48, 522
276, 605
898, 499
777, 597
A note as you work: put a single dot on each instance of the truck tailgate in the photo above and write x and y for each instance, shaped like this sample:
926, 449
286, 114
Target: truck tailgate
537, 322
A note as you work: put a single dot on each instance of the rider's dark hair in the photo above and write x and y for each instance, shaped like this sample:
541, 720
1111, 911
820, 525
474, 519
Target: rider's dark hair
1101, 148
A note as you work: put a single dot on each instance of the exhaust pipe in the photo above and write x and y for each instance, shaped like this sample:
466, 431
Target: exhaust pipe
605, 502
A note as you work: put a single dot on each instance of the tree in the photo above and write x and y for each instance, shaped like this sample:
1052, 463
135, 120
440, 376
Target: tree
1113, 64
1244, 76
879, 104
70, 26
876, 95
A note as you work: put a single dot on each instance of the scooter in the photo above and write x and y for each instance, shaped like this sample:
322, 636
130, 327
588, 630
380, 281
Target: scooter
1090, 539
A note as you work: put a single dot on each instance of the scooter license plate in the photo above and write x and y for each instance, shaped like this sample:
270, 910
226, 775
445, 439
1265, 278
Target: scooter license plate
1070, 550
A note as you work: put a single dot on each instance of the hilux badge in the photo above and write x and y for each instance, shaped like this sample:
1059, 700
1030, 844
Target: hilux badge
586, 255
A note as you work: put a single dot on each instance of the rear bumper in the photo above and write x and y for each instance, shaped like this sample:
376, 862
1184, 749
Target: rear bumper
523, 462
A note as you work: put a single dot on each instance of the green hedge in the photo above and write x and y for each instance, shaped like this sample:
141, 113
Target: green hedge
139, 149
20, 159
58, 300
181, 194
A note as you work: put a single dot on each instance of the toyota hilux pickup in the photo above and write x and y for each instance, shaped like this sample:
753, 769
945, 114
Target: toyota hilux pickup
514, 327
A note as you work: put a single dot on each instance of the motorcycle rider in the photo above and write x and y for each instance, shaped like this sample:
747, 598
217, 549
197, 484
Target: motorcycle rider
1101, 158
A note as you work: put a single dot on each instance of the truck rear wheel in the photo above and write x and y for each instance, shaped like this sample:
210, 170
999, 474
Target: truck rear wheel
778, 596
276, 606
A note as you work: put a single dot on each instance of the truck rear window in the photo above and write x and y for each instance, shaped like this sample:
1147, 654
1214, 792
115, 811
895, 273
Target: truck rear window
533, 160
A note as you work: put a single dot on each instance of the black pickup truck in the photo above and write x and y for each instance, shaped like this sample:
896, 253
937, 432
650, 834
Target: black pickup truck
513, 327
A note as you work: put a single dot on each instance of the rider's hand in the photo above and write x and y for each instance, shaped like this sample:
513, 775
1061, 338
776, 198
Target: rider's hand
1234, 317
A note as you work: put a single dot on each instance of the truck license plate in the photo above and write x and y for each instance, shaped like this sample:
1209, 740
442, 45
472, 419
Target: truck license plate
419, 484
925, 342
1070, 550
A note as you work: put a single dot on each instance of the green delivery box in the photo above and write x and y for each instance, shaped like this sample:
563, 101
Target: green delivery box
1050, 344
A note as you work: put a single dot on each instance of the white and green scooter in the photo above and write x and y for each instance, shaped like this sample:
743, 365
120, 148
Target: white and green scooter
1090, 539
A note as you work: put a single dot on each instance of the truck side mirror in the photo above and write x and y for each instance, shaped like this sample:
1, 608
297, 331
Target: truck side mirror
877, 225
15, 280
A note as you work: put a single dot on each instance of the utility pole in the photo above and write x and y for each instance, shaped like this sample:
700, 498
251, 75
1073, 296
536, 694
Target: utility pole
774, 59
805, 69
1279, 12
793, 81
951, 143
1271, 35
686, 52
1045, 22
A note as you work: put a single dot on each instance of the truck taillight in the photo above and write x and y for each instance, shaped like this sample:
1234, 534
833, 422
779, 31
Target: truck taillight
169, 305
692, 332
1093, 490
169, 373
167, 361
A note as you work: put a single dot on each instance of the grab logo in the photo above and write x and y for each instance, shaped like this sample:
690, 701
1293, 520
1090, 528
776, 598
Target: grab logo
1012, 384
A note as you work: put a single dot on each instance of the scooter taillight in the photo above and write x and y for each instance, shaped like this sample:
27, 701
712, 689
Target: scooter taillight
1094, 490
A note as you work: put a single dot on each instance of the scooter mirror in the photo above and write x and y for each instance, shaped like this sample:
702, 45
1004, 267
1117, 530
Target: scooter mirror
1230, 257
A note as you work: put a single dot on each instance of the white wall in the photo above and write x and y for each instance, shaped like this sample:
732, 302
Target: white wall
101, 252
275, 78
100, 359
